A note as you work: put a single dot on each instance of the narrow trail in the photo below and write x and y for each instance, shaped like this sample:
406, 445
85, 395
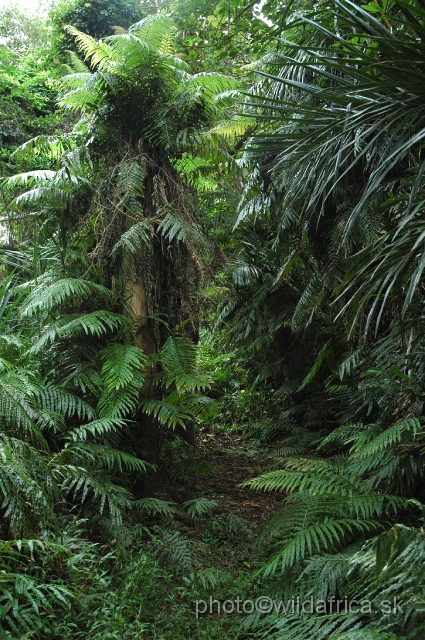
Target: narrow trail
235, 462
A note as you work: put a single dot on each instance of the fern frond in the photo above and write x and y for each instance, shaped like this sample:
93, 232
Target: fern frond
84, 483
173, 227
96, 428
30, 177
52, 146
96, 51
120, 363
322, 354
315, 538
199, 506
386, 439
48, 194
75, 63
130, 179
154, 30
313, 483
27, 498
46, 297
233, 128
132, 240
214, 83
178, 359
96, 323
24, 598
62, 401
100, 456
325, 574
155, 506
122, 402
85, 377
178, 550
168, 412
366, 634
80, 100
17, 407
73, 81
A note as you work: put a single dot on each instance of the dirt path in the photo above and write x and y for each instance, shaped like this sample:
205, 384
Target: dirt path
235, 462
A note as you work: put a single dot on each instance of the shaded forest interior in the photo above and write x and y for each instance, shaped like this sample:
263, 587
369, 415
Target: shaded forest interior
212, 325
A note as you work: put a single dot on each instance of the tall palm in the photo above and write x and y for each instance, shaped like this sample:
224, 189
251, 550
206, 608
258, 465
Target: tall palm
337, 180
346, 106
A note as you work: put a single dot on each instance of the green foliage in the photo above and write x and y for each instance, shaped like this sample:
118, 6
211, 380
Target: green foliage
47, 296
313, 165
45, 455
199, 506
180, 367
106, 240
391, 600
21, 31
97, 18
214, 34
123, 594
181, 380
177, 550
122, 377
144, 58
321, 544
157, 507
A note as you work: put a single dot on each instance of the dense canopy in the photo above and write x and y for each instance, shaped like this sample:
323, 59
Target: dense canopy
212, 329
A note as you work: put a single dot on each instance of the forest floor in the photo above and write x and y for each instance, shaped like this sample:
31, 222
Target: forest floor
235, 461
224, 540
228, 533
204, 561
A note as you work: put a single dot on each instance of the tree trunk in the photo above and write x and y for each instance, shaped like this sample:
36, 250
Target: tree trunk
158, 293
145, 433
